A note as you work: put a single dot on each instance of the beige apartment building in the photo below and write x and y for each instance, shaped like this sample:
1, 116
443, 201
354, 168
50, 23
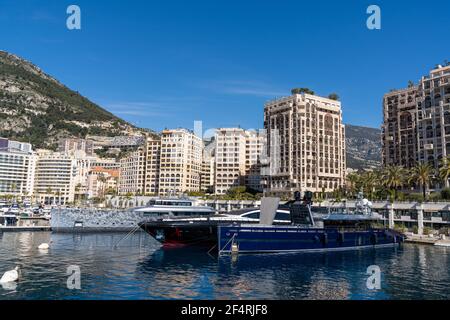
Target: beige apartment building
305, 145
399, 129
230, 159
237, 160
132, 173
416, 126
152, 165
180, 162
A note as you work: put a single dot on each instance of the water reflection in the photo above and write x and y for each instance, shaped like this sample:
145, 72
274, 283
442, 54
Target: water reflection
138, 269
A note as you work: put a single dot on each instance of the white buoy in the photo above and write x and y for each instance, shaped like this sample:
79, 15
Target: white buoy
44, 246
10, 276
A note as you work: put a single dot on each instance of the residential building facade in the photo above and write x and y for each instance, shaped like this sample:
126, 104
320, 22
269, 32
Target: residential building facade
17, 166
132, 173
399, 129
180, 162
152, 165
102, 181
55, 178
416, 126
237, 159
306, 145
433, 114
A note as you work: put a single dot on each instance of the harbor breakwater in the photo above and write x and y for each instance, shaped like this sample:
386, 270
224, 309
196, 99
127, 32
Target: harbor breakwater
94, 220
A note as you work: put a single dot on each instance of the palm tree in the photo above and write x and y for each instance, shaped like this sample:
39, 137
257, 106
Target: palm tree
422, 174
369, 181
444, 171
394, 178
353, 180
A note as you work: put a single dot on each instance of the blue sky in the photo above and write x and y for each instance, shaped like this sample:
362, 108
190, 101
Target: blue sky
167, 63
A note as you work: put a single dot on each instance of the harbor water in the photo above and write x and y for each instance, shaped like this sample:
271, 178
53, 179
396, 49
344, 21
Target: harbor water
137, 268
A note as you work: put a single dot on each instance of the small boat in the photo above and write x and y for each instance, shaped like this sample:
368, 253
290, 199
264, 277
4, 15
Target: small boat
8, 220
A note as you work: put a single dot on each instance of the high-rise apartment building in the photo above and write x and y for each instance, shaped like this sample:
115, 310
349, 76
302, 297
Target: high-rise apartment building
416, 126
55, 177
230, 159
152, 165
180, 162
17, 165
132, 173
433, 116
237, 159
305, 143
399, 130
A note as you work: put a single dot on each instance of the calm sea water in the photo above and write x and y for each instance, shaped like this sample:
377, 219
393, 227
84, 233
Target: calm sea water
138, 269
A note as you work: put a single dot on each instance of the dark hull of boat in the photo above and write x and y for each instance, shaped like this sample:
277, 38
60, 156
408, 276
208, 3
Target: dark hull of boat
178, 234
186, 233
258, 239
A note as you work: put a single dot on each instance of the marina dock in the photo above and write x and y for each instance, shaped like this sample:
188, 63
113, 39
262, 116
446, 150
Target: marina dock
24, 228
428, 240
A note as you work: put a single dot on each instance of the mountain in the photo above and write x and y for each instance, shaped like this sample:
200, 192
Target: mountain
36, 108
363, 146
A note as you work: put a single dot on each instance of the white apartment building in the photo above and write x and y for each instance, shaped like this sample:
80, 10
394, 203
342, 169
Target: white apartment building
55, 178
237, 159
180, 162
305, 145
17, 164
132, 173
